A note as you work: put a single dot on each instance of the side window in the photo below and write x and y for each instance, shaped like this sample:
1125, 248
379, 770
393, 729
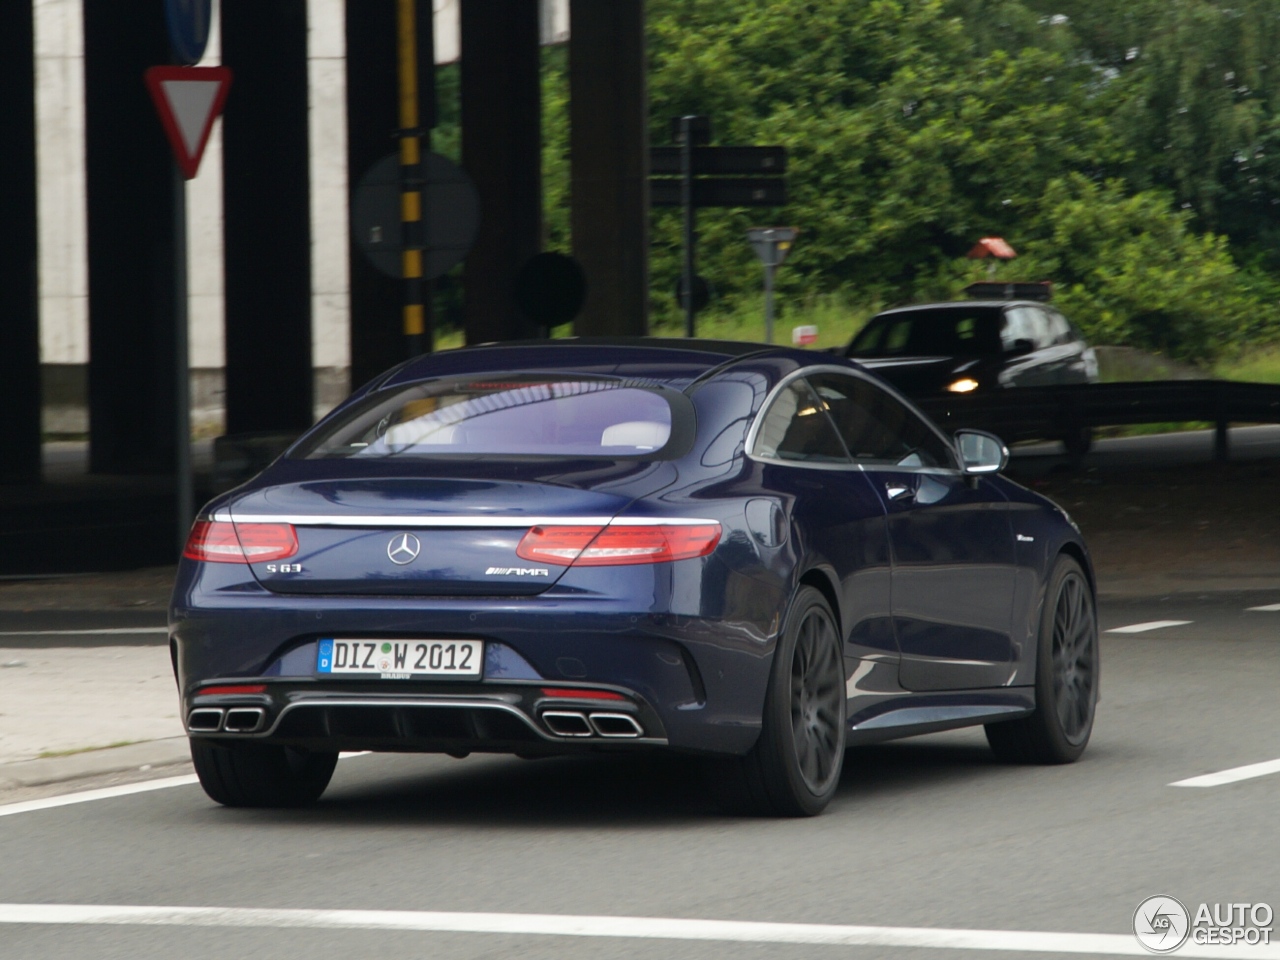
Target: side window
795, 428
876, 427
1024, 323
1059, 327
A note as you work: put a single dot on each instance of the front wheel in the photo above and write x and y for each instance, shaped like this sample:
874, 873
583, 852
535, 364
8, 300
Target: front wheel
1066, 677
794, 768
261, 774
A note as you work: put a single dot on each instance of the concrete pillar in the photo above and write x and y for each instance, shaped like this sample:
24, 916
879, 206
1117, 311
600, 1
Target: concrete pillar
131, 230
267, 216
502, 152
609, 159
19, 296
377, 341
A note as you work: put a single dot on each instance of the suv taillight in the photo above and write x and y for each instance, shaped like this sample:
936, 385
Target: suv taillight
218, 541
618, 544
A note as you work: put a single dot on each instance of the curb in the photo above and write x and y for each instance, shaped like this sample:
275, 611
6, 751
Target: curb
92, 763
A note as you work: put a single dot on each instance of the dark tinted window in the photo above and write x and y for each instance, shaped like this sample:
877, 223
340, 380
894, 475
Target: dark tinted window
503, 416
878, 428
951, 332
795, 428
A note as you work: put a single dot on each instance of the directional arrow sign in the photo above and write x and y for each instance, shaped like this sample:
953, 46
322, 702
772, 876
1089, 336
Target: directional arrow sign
188, 99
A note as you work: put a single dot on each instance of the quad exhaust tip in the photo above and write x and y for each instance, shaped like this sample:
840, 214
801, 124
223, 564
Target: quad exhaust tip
571, 723
235, 720
567, 723
244, 719
616, 725
205, 720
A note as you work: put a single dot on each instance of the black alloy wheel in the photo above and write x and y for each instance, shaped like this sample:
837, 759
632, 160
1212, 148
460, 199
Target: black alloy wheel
794, 768
1066, 677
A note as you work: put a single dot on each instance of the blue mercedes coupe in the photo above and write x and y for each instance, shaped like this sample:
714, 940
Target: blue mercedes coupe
754, 554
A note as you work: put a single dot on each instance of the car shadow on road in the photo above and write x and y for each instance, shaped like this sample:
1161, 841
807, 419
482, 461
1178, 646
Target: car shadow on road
643, 790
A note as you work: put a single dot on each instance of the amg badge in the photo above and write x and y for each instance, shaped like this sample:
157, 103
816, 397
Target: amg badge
518, 571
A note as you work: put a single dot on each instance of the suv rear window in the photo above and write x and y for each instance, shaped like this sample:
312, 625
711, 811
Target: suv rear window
504, 416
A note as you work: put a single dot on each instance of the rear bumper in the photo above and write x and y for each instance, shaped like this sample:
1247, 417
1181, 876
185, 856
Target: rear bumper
694, 683
475, 717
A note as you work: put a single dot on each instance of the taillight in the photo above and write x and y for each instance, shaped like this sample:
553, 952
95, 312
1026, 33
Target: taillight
219, 541
617, 544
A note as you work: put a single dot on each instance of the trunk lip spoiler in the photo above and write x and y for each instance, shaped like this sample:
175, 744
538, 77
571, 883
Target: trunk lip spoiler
472, 521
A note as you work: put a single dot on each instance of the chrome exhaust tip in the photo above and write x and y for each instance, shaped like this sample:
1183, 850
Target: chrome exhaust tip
616, 725
205, 720
244, 719
567, 723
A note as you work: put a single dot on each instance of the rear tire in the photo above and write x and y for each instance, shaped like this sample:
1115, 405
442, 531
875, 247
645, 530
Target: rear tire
794, 768
1066, 685
261, 774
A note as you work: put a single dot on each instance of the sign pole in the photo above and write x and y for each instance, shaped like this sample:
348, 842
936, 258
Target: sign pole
184, 493
768, 302
686, 201
411, 179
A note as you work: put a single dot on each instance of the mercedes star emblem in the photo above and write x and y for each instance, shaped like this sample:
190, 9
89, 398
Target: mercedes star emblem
403, 549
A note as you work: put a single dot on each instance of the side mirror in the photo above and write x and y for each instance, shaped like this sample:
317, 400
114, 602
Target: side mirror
981, 452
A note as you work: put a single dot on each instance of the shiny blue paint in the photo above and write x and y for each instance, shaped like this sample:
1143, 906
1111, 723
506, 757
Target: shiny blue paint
690, 642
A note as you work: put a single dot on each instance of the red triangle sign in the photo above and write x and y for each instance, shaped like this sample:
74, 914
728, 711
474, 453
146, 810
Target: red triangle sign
189, 99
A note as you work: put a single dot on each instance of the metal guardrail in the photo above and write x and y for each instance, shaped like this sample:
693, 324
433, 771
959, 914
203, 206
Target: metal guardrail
1024, 413
1051, 412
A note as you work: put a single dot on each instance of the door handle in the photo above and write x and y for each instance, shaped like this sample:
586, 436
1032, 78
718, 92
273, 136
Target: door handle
899, 491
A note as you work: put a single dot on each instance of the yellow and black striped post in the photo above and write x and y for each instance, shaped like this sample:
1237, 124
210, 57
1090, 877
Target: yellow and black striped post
416, 314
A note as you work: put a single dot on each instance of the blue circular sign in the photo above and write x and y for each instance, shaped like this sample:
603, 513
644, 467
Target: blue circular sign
188, 22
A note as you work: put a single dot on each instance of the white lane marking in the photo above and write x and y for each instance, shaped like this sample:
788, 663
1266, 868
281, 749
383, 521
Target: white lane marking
1150, 625
1269, 608
105, 631
104, 793
642, 928
1247, 772
124, 790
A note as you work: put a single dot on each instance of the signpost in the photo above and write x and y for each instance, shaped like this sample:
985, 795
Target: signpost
743, 177
771, 244
188, 100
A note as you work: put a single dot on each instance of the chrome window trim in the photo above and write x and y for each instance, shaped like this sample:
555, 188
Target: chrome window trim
754, 431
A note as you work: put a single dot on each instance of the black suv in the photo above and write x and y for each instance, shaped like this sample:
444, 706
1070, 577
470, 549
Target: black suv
959, 347
934, 348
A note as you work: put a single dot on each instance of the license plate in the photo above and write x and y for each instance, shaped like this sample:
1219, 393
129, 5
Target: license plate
400, 659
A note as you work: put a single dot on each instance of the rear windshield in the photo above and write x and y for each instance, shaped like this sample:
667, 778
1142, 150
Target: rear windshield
542, 416
954, 332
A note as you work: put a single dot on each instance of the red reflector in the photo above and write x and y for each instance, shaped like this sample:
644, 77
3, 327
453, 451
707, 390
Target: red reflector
568, 693
618, 544
218, 541
240, 688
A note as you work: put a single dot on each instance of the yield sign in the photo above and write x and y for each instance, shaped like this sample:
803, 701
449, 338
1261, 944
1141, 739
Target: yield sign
189, 99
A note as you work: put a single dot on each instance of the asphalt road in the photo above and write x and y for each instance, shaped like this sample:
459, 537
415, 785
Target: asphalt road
926, 835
